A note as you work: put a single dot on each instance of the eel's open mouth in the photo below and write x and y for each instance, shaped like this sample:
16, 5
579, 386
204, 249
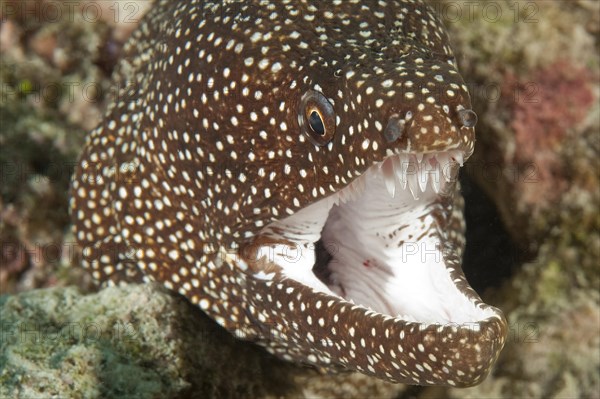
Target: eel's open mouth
381, 242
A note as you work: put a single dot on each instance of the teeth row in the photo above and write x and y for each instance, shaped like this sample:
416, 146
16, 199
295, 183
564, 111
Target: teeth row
350, 193
418, 170
412, 170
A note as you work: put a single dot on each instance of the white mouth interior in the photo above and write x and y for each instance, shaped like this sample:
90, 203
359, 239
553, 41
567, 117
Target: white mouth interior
384, 244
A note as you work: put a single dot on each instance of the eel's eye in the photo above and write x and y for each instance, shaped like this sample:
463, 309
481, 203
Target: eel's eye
316, 118
316, 122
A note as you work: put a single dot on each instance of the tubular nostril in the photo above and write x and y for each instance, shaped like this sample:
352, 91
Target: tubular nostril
394, 129
468, 117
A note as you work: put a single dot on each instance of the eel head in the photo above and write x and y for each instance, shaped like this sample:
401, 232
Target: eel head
293, 172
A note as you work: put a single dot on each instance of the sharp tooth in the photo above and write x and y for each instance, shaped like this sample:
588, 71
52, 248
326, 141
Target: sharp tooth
343, 196
392, 166
403, 169
413, 184
389, 176
388, 167
390, 184
445, 166
362, 183
435, 182
398, 168
412, 173
458, 157
358, 187
353, 190
412, 177
350, 194
423, 175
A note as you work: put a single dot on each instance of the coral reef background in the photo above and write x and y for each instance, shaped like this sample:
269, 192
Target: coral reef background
532, 193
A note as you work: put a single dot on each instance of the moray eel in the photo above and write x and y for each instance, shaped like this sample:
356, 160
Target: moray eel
290, 167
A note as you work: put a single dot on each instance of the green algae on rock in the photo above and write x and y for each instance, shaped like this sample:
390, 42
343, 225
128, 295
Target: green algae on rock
132, 342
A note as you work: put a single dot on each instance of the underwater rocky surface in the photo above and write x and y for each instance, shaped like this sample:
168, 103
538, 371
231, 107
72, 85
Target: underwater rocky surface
143, 341
532, 190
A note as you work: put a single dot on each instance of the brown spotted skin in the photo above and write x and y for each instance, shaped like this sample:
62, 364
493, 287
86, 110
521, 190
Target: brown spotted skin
202, 148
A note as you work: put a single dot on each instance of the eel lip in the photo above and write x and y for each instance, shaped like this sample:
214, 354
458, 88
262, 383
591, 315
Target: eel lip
456, 355
481, 350
323, 330
476, 349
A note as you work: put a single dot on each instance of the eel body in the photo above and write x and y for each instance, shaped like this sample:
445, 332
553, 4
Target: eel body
290, 167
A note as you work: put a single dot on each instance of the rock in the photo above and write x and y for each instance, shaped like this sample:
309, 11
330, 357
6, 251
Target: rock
142, 341
532, 69
134, 341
